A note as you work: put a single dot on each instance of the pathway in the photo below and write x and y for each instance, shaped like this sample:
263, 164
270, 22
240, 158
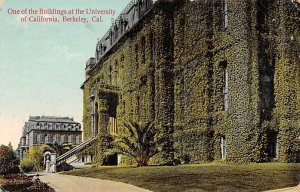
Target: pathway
290, 189
68, 183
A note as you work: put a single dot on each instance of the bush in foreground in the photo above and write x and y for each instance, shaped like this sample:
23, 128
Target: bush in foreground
22, 183
8, 161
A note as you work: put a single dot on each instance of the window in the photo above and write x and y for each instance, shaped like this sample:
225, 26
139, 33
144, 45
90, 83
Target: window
96, 116
151, 46
113, 125
143, 50
136, 53
124, 107
116, 71
77, 139
225, 88
57, 138
35, 136
46, 138
69, 138
62, 139
111, 38
273, 149
110, 75
225, 13
223, 147
138, 107
54, 139
38, 138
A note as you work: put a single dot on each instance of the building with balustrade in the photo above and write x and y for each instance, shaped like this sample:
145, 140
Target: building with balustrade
219, 78
49, 130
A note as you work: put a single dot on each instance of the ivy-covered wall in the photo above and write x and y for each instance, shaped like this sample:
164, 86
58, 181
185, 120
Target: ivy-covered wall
179, 63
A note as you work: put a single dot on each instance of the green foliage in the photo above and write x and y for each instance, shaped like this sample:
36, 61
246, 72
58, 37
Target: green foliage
176, 82
33, 160
139, 141
8, 161
60, 149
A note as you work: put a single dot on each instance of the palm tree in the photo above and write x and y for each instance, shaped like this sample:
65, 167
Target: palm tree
137, 140
60, 149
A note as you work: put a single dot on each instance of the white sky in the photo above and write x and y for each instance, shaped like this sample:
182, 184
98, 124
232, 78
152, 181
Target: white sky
42, 64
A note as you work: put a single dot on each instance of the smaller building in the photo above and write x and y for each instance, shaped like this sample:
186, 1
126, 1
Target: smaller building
49, 130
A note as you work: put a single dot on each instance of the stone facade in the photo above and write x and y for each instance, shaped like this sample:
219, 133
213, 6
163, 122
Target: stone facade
220, 78
48, 130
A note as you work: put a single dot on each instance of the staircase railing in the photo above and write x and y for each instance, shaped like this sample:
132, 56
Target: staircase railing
73, 151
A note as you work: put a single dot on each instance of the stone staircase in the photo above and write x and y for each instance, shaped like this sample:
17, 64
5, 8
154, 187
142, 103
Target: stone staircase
71, 155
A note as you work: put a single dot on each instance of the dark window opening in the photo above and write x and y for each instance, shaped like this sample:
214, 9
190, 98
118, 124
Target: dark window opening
138, 106
143, 42
151, 47
110, 75
136, 54
96, 120
116, 71
272, 145
124, 107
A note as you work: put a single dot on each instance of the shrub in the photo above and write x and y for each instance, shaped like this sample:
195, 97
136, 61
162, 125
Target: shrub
8, 161
64, 167
139, 141
26, 165
33, 160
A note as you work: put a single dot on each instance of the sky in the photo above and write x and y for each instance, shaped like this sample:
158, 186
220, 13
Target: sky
42, 64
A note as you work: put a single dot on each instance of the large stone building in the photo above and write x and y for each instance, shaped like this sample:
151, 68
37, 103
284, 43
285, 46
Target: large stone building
220, 78
48, 130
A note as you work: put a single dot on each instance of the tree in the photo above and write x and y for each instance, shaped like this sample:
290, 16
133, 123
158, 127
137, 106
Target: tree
137, 140
60, 149
8, 161
10, 145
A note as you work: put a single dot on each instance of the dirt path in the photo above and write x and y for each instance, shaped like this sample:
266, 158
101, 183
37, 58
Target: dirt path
67, 183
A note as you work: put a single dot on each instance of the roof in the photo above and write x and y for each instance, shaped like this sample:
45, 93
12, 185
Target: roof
50, 123
51, 119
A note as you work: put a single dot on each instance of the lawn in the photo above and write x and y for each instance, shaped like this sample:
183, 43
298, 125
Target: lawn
207, 177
